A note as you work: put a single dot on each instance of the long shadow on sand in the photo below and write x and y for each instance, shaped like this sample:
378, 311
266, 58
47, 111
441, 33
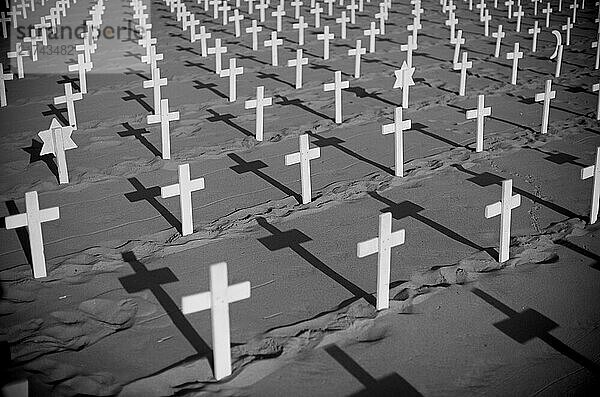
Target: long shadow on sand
226, 118
139, 98
293, 239
57, 112
254, 167
559, 158
530, 324
152, 280
388, 386
486, 179
581, 251
362, 93
300, 104
34, 156
67, 79
209, 86
149, 194
409, 209
137, 133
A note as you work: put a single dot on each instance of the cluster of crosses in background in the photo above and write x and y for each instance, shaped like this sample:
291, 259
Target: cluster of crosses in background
59, 138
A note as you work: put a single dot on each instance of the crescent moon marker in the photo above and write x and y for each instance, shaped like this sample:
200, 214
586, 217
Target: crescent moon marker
558, 43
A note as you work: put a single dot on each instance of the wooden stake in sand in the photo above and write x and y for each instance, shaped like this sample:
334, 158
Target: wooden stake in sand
397, 128
546, 96
18, 54
33, 219
155, 83
3, 78
69, 98
274, 43
593, 171
337, 86
534, 31
372, 32
56, 140
232, 73
357, 53
404, 79
218, 50
217, 300
301, 25
164, 118
499, 35
480, 113
259, 103
326, 37
298, 62
184, 190
254, 29
382, 245
463, 66
504, 208
515, 56
303, 158
458, 42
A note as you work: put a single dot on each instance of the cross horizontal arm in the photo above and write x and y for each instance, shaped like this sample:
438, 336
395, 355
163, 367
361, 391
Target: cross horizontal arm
170, 191
493, 210
293, 158
367, 248
516, 201
238, 292
195, 303
588, 172
15, 221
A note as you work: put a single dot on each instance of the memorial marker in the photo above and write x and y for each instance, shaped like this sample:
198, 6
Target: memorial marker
303, 158
519, 14
574, 7
164, 118
301, 25
3, 78
155, 83
404, 79
298, 62
342, 21
218, 50
217, 300
534, 31
558, 60
317, 11
326, 37
547, 11
184, 189
459, 40
382, 245
254, 29
593, 171
595, 88
504, 208
232, 73
337, 86
397, 128
274, 43
203, 36
259, 103
597, 47
236, 18
568, 28
463, 66
18, 54
69, 98
499, 35
81, 67
357, 53
296, 4
278, 14
480, 113
33, 218
546, 96
372, 32
56, 140
515, 56
486, 23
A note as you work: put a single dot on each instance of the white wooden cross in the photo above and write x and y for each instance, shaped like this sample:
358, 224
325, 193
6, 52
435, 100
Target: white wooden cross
303, 158
397, 128
409, 47
463, 66
18, 53
232, 73
597, 47
452, 21
296, 4
3, 20
278, 15
23, 6
14, 13
458, 42
274, 42
317, 11
515, 56
81, 67
593, 171
236, 18
486, 23
381, 16
225, 8
3, 78
254, 30
326, 37
33, 219
298, 62
250, 6
481, 7
574, 7
330, 4
382, 245
218, 50
259, 103
547, 11
184, 189
217, 300
301, 25
546, 96
202, 36
509, 4
215, 4
414, 28
56, 140
534, 31
164, 118
153, 57
33, 39
480, 113
595, 88
337, 86
261, 8
404, 79
568, 28
499, 35
357, 52
519, 14
342, 20
88, 49
558, 60
504, 208
69, 98
147, 41
535, 6
372, 32
155, 83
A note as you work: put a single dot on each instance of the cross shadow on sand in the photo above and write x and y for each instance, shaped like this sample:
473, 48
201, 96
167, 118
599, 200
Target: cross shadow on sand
300, 104
67, 79
254, 167
530, 324
392, 385
34, 156
57, 112
582, 251
137, 133
152, 280
22, 233
362, 93
226, 118
139, 98
149, 195
293, 239
407, 209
